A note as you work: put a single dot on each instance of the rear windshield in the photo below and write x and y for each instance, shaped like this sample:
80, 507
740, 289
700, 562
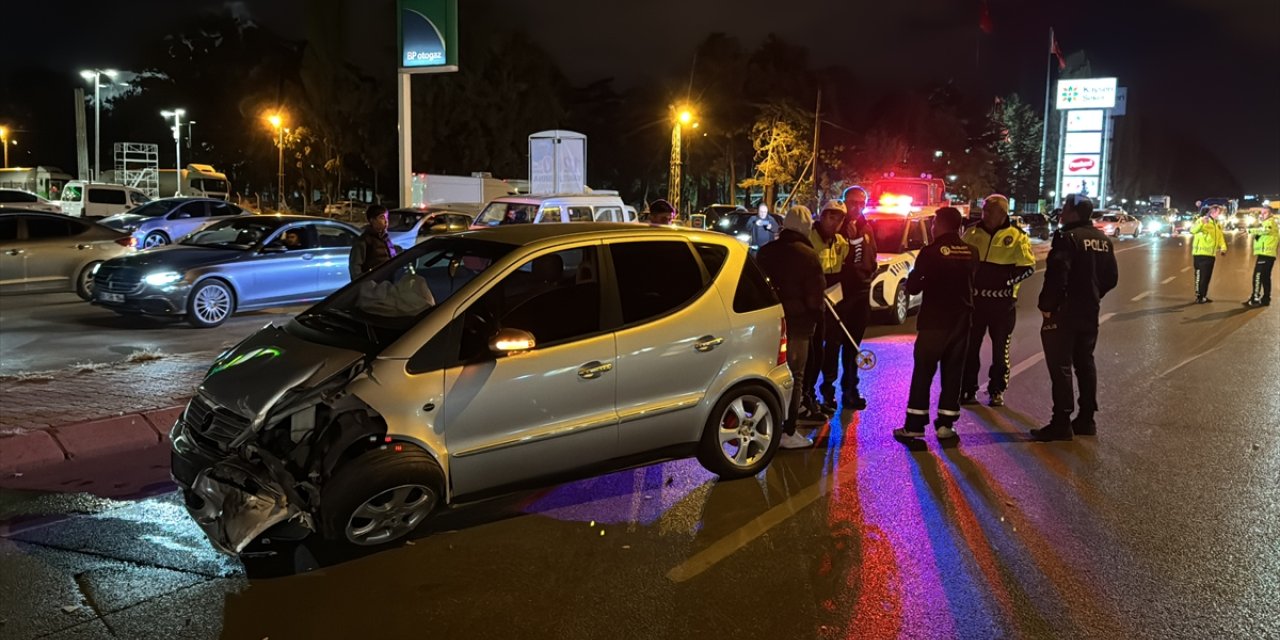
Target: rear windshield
403, 220
889, 233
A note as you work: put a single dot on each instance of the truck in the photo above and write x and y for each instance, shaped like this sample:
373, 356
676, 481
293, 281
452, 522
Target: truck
477, 189
922, 195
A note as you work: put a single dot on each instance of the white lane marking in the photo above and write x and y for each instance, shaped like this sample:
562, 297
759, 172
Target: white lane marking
1026, 364
1105, 317
730, 544
1187, 361
1136, 246
1186, 269
1169, 279
1140, 296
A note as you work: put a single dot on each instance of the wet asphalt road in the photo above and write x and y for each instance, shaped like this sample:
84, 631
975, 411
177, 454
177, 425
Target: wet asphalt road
1166, 525
47, 331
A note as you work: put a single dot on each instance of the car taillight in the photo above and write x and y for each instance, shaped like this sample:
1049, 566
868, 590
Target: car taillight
128, 241
782, 344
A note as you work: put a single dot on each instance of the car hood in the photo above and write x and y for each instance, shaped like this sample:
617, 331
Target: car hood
177, 257
251, 378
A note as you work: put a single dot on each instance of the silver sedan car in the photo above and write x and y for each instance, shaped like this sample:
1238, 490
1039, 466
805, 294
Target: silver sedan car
239, 264
52, 252
476, 363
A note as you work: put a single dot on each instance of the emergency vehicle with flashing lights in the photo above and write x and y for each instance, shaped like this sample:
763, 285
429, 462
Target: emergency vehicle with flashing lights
900, 210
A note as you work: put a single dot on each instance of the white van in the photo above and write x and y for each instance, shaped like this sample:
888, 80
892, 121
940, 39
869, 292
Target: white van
99, 200
576, 207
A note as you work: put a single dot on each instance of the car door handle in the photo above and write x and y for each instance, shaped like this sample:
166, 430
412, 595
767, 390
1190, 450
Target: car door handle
15, 252
593, 370
707, 343
308, 256
82, 247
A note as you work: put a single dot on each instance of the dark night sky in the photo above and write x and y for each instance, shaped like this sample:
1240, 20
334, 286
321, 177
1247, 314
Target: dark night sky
1210, 68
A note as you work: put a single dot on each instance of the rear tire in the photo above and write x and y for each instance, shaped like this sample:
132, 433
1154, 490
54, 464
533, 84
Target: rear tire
742, 434
358, 506
901, 305
155, 239
84, 281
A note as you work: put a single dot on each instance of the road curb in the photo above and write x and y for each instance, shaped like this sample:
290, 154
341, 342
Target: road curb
35, 450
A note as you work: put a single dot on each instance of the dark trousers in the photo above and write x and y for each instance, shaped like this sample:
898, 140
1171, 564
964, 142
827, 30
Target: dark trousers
1068, 348
1262, 279
997, 318
855, 310
817, 351
799, 335
1204, 272
934, 348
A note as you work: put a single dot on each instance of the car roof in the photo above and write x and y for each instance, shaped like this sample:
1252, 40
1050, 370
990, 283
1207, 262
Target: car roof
539, 199
528, 234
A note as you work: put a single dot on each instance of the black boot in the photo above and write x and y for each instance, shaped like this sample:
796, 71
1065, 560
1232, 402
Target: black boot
1057, 429
1084, 425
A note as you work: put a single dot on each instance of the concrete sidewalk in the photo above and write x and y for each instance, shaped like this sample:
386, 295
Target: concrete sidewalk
92, 410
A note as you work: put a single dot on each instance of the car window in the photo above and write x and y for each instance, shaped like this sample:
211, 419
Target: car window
43, 228
298, 237
402, 220
193, 209
555, 297
107, 196
580, 214
753, 292
608, 214
915, 235
332, 236
71, 193
549, 214
654, 278
713, 257
137, 198
889, 233
507, 213
240, 233
8, 228
17, 196
220, 209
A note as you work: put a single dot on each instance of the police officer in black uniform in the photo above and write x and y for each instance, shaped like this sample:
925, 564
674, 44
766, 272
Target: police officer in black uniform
944, 274
1080, 270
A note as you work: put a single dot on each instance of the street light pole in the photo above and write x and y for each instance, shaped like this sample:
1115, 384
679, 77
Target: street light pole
176, 114
683, 116
280, 172
96, 76
4, 139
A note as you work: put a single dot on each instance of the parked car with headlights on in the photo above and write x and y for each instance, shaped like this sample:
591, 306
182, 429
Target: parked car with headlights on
237, 264
42, 251
482, 362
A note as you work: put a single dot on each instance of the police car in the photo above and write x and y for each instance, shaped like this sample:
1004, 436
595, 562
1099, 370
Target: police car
901, 217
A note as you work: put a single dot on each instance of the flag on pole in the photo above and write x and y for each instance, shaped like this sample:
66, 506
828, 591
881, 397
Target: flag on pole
984, 19
1056, 50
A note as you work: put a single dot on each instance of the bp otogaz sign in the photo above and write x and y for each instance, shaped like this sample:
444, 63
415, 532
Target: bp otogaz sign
428, 36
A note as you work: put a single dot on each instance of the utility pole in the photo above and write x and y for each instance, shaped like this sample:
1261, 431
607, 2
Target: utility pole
176, 114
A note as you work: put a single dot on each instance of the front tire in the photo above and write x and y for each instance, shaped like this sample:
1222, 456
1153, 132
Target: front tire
84, 281
380, 497
210, 304
743, 433
901, 305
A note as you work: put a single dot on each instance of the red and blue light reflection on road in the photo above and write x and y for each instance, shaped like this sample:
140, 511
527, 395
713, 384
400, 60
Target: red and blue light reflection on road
966, 541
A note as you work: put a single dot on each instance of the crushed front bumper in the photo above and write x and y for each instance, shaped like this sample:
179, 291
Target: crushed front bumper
232, 500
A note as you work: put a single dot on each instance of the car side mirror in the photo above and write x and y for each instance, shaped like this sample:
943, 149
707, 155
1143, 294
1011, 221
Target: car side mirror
511, 341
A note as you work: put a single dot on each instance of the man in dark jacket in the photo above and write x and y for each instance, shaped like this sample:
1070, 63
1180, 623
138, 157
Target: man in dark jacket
944, 274
855, 308
796, 274
373, 247
762, 229
1080, 270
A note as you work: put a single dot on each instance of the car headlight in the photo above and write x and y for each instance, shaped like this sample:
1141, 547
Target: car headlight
162, 278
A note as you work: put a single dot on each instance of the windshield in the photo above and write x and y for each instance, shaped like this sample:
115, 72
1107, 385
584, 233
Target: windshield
154, 209
380, 306
241, 233
402, 219
507, 213
889, 233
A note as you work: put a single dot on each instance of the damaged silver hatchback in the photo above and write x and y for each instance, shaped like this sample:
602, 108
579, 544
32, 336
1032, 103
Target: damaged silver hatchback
482, 363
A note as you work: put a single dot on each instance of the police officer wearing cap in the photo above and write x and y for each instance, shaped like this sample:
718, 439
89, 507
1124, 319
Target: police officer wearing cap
944, 274
855, 305
1080, 270
1006, 259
